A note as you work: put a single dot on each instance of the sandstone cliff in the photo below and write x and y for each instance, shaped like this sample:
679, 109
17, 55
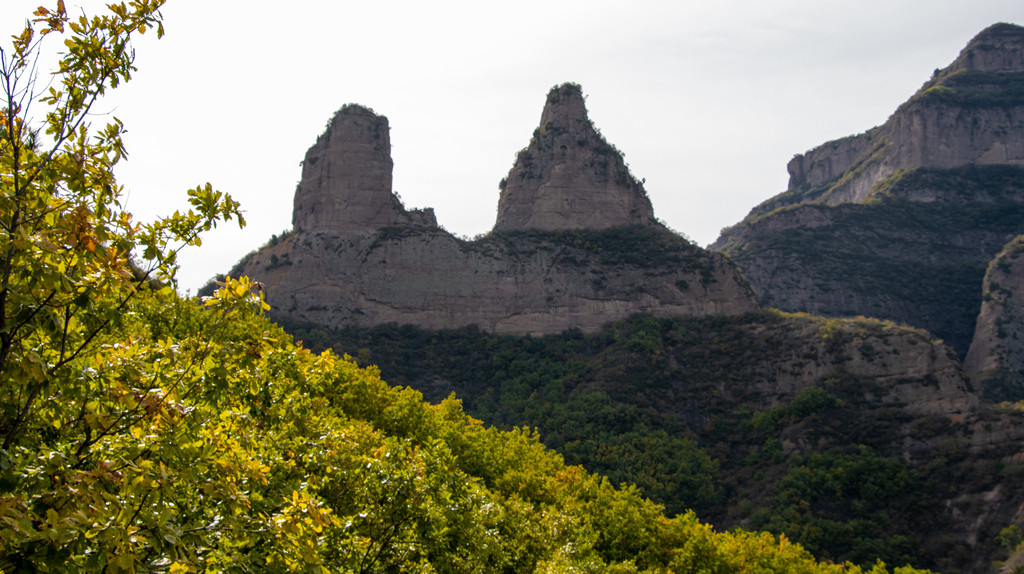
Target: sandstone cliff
575, 245
530, 283
569, 177
996, 357
901, 221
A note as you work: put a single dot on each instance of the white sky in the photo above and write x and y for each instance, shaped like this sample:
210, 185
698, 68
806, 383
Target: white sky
709, 100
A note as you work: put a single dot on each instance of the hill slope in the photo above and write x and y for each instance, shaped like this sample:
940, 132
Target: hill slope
859, 439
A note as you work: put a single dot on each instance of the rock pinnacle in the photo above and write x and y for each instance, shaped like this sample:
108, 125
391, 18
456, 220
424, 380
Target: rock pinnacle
346, 178
569, 177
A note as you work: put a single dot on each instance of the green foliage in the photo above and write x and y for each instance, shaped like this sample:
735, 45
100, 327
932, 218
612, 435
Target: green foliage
638, 245
970, 183
977, 89
808, 402
67, 248
848, 505
1010, 538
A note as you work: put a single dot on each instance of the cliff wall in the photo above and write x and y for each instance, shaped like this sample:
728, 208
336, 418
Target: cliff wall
996, 357
515, 284
900, 222
971, 112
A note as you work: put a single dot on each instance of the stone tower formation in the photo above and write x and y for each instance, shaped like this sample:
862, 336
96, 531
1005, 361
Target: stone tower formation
346, 178
570, 177
359, 257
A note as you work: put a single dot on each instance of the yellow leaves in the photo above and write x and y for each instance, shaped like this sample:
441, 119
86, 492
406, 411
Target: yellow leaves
31, 369
236, 295
23, 41
54, 19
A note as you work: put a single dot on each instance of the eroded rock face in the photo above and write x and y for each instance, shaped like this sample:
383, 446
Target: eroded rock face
346, 178
996, 358
576, 244
517, 283
569, 177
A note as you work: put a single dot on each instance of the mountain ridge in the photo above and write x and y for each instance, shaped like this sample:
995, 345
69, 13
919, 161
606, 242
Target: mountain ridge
901, 221
568, 207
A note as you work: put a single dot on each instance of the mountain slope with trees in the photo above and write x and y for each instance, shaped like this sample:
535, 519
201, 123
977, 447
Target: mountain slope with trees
857, 438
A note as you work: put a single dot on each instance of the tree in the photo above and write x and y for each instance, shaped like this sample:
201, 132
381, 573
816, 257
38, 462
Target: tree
72, 262
70, 253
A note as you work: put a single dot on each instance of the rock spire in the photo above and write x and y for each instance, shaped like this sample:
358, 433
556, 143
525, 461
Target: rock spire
569, 177
346, 178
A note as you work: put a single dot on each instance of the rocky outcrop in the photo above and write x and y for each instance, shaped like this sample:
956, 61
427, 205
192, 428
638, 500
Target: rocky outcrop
827, 162
996, 357
972, 112
569, 177
576, 244
916, 254
346, 178
998, 48
901, 221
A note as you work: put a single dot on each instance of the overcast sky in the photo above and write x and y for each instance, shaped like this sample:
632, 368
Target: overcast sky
708, 100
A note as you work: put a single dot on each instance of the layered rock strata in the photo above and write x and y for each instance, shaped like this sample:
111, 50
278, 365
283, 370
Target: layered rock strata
519, 284
971, 112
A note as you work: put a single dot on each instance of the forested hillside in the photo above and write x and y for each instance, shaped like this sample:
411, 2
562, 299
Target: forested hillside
199, 438
853, 437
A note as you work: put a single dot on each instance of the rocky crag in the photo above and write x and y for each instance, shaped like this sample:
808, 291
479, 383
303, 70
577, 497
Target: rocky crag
970, 113
901, 221
766, 395
346, 178
996, 356
575, 244
569, 177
